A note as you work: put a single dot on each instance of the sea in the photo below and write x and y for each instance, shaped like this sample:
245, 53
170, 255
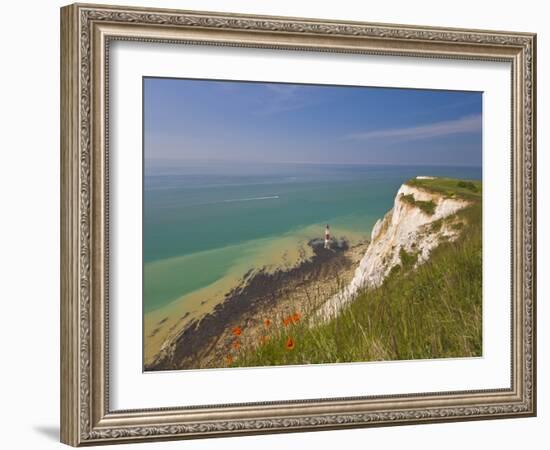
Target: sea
206, 225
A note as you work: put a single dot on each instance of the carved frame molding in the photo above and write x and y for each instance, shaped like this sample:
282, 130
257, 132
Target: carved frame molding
86, 33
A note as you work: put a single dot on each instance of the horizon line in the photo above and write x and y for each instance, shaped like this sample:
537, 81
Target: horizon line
317, 163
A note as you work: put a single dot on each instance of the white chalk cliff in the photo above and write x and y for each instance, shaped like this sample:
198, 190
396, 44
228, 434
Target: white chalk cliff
404, 227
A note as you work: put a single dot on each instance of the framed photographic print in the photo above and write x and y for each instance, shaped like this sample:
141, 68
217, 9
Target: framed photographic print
275, 224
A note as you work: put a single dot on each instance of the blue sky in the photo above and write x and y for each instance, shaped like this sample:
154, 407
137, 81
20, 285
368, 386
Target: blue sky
199, 120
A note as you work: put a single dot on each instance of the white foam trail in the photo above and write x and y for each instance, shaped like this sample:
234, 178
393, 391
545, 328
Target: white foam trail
250, 199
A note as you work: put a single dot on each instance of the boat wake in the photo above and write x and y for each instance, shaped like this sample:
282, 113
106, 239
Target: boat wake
249, 199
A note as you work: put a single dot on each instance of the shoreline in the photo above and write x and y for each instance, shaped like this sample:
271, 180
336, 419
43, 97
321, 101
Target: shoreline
271, 255
203, 340
163, 283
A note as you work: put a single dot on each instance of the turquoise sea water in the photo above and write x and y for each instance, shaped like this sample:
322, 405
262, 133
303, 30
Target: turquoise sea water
202, 221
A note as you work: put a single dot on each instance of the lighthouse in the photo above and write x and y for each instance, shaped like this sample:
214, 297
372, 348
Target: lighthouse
327, 236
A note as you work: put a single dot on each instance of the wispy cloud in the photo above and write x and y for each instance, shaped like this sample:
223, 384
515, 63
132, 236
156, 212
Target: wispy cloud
284, 90
284, 97
463, 125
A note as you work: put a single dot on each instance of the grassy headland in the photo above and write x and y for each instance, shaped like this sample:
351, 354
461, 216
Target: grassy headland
431, 311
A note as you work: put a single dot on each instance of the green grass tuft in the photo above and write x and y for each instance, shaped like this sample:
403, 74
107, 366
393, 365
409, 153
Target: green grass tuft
467, 185
427, 206
408, 260
436, 225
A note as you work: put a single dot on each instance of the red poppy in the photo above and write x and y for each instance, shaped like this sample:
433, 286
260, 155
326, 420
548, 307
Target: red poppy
237, 331
289, 343
229, 360
287, 321
296, 317
236, 344
267, 322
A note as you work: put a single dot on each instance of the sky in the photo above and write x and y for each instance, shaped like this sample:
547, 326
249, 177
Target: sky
228, 121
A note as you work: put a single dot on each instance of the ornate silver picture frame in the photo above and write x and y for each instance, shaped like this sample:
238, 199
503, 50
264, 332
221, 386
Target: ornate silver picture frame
87, 32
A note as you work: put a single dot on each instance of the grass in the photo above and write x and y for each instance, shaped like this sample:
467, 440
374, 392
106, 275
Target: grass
450, 187
408, 260
436, 225
433, 311
427, 206
468, 185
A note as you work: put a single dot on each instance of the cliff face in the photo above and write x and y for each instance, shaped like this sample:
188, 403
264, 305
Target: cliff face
410, 230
